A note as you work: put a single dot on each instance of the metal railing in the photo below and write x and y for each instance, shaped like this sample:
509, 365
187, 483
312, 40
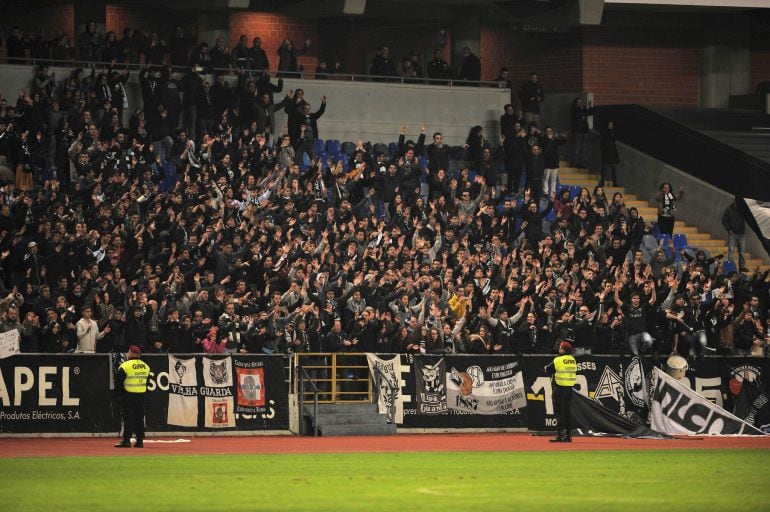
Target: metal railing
236, 71
336, 377
303, 378
695, 153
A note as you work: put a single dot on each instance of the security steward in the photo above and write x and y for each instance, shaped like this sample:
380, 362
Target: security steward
564, 371
131, 386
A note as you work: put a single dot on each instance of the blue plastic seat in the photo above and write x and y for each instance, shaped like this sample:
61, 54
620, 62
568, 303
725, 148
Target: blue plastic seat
306, 160
333, 146
319, 146
393, 148
680, 242
729, 266
574, 191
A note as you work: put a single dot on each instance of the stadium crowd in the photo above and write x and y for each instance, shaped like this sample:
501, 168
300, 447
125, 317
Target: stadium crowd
199, 225
183, 49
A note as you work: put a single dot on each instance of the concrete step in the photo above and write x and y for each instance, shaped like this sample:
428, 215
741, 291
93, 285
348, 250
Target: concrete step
572, 176
358, 430
351, 419
347, 408
712, 243
588, 178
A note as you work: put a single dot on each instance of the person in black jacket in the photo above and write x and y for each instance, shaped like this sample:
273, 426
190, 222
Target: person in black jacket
470, 69
438, 69
580, 129
382, 64
192, 88
438, 154
532, 221
136, 328
610, 158
531, 96
173, 336
308, 129
535, 167
204, 106
259, 60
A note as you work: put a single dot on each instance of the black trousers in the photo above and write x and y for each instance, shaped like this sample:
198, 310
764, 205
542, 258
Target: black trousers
666, 225
132, 409
563, 402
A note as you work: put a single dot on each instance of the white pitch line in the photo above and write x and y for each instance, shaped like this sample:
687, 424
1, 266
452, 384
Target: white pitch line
432, 492
167, 441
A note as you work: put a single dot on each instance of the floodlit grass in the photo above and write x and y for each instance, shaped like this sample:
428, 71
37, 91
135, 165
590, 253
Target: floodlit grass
474, 481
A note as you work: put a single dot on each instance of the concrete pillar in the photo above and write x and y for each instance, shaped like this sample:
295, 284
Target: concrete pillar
213, 24
466, 31
725, 61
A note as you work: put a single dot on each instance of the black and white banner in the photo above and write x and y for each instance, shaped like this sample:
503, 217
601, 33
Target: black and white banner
484, 386
218, 393
387, 372
430, 393
757, 215
752, 405
676, 409
182, 392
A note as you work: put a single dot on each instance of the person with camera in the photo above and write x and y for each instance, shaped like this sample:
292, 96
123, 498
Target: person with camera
131, 385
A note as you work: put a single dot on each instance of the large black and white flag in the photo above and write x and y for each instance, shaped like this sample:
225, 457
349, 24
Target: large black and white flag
429, 384
387, 373
752, 405
676, 409
757, 215
182, 392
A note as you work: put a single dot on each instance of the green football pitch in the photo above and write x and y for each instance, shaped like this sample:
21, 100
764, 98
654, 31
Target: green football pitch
567, 481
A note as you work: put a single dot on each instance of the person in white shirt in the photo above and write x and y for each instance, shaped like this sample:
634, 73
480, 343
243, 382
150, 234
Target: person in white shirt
88, 332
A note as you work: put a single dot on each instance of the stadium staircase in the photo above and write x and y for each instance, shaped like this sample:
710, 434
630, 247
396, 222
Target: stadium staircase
348, 419
572, 176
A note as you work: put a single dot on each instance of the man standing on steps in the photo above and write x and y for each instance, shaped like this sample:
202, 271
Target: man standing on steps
531, 96
131, 386
564, 372
733, 222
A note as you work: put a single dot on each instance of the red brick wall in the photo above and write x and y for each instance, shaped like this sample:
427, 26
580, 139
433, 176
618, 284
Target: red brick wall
158, 20
760, 58
273, 29
760, 68
556, 57
642, 66
59, 18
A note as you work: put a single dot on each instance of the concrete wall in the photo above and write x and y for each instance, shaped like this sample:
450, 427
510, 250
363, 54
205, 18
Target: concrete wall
357, 110
703, 203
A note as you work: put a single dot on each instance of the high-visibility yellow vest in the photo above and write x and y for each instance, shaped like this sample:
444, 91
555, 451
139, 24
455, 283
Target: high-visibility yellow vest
566, 370
137, 373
